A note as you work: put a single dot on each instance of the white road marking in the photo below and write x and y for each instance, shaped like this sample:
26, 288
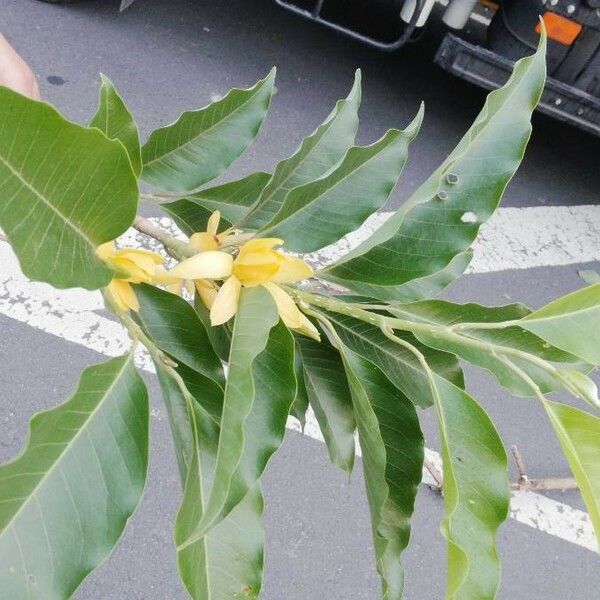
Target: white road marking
515, 238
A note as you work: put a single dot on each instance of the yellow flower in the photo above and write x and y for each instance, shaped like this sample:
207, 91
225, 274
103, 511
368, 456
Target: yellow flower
210, 239
132, 266
204, 241
259, 264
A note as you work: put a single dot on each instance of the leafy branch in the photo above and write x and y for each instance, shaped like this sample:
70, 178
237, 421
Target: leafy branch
363, 360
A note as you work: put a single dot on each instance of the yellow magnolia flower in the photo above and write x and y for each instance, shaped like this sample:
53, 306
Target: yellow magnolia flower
211, 239
259, 264
204, 241
132, 266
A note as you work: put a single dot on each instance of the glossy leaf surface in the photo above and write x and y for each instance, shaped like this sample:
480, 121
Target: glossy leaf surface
330, 398
391, 445
232, 200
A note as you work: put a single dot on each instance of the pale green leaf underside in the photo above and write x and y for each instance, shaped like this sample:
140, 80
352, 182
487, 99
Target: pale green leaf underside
487, 347
317, 154
65, 501
571, 323
309, 217
64, 190
115, 121
442, 218
476, 495
201, 144
579, 435
397, 363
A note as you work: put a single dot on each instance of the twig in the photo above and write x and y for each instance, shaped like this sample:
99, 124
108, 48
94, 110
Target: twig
176, 248
538, 485
557, 484
437, 477
523, 479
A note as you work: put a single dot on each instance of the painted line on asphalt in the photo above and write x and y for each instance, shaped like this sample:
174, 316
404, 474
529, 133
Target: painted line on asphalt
515, 238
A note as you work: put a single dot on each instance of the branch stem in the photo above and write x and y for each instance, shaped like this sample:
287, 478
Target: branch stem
176, 248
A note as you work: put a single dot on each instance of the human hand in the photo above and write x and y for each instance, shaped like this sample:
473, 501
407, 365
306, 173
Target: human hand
15, 72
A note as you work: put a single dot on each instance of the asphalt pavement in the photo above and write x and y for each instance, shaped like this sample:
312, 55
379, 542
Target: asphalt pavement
168, 56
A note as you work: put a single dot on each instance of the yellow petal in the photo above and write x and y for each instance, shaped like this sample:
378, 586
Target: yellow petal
105, 251
206, 291
141, 257
203, 241
162, 277
128, 270
255, 274
292, 269
206, 265
212, 226
308, 329
226, 302
260, 245
288, 311
123, 295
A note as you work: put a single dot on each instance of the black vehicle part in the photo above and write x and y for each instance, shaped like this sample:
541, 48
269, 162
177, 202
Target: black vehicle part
373, 22
512, 34
490, 70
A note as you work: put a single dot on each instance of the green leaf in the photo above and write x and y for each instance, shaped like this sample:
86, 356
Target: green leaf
309, 217
220, 335
242, 454
65, 190
579, 435
301, 403
476, 492
392, 451
116, 122
227, 562
65, 501
232, 199
416, 289
590, 276
201, 144
330, 399
264, 428
487, 347
397, 363
176, 329
319, 152
442, 218
570, 323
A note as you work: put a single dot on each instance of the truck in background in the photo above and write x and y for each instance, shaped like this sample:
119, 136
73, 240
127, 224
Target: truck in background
512, 29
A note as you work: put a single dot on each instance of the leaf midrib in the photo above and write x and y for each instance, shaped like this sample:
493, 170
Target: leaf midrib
205, 131
68, 445
263, 201
46, 202
336, 183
